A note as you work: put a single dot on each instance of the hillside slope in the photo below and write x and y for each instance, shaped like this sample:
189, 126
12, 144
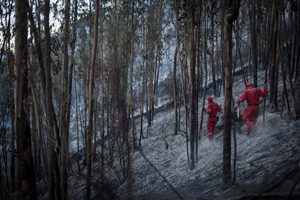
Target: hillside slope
264, 159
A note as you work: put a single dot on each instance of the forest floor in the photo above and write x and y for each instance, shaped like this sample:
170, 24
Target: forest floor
267, 165
267, 161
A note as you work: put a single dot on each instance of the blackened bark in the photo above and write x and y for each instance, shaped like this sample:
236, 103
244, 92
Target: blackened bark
50, 135
65, 96
297, 87
91, 103
232, 11
12, 163
26, 179
175, 92
205, 68
276, 73
192, 82
213, 73
253, 41
272, 62
183, 87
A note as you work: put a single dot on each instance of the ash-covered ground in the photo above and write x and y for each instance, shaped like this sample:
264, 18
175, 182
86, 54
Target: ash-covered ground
268, 158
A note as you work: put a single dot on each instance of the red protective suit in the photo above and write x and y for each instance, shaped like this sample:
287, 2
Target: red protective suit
252, 95
212, 110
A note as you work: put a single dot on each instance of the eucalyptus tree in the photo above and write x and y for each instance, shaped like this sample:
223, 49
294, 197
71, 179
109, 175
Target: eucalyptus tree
231, 14
288, 53
143, 47
189, 18
181, 56
212, 41
65, 96
73, 39
296, 62
253, 35
274, 67
205, 36
193, 100
7, 129
91, 102
150, 61
175, 93
26, 174
7, 97
50, 115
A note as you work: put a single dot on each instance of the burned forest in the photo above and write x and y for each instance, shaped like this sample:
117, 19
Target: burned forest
153, 99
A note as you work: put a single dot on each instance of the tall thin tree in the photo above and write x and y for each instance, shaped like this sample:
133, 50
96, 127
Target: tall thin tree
232, 11
65, 96
26, 174
192, 81
91, 103
50, 119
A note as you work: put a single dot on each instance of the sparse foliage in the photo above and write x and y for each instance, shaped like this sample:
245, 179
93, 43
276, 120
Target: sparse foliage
95, 75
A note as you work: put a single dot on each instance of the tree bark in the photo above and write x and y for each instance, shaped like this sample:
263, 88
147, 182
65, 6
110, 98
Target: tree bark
26, 179
192, 82
91, 103
232, 11
276, 73
297, 88
183, 88
50, 119
65, 96
273, 58
12, 163
131, 77
199, 68
205, 68
212, 51
175, 92
142, 99
253, 37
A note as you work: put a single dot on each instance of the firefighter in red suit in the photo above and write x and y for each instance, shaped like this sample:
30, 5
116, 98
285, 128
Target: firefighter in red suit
212, 110
252, 95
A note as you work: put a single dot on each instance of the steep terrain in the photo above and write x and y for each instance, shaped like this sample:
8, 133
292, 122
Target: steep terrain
269, 157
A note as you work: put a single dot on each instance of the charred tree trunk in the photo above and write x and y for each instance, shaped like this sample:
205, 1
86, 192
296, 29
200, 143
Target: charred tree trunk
91, 103
297, 88
50, 119
253, 35
142, 101
175, 92
232, 11
192, 81
199, 68
274, 67
223, 22
65, 96
205, 67
12, 161
183, 82
26, 175
212, 52
277, 58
